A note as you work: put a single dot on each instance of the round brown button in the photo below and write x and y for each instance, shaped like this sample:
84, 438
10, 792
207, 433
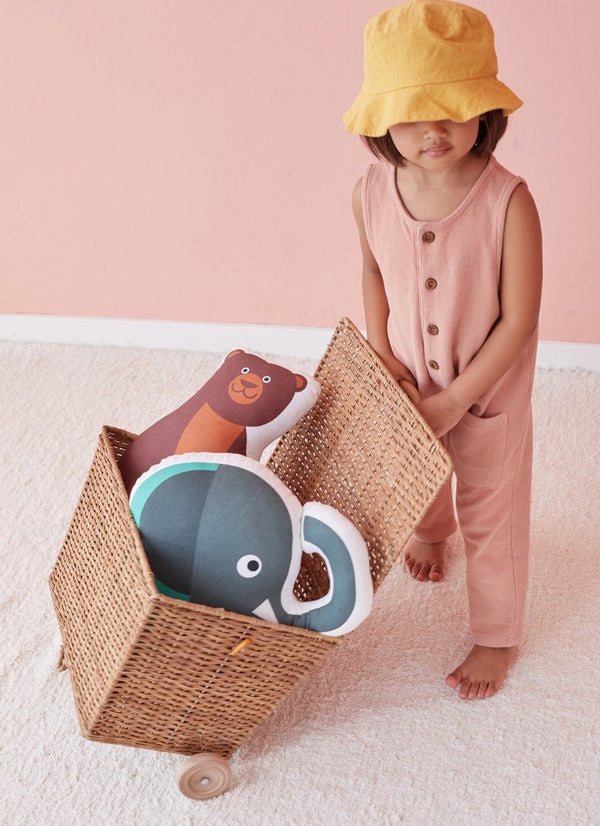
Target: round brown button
433, 329
430, 283
428, 237
434, 365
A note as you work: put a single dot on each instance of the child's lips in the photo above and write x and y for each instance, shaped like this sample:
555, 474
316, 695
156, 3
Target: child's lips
438, 150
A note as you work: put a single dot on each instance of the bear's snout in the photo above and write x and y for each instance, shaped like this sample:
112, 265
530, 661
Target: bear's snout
246, 389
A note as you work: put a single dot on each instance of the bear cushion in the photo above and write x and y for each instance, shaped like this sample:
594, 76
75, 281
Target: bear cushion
246, 404
223, 530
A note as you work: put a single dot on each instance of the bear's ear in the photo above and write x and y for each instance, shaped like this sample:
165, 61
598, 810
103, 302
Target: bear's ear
301, 382
234, 353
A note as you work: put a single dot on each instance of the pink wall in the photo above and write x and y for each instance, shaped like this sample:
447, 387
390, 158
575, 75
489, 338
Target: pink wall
186, 160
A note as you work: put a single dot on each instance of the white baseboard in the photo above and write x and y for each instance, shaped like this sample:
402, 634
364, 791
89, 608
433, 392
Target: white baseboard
304, 342
286, 341
568, 355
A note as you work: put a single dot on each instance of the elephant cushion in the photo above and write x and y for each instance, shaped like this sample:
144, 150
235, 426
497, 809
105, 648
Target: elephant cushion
223, 530
246, 404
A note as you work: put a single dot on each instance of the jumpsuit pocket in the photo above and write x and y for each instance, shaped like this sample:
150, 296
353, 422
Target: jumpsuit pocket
477, 447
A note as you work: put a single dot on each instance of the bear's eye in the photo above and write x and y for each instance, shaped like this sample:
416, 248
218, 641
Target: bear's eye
266, 379
245, 370
249, 566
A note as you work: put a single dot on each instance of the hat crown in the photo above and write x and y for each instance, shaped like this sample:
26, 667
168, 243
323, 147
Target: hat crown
427, 41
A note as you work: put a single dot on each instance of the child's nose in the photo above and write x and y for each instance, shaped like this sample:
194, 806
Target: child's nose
436, 128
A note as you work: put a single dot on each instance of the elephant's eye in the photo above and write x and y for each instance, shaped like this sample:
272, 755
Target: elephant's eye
266, 379
245, 370
249, 566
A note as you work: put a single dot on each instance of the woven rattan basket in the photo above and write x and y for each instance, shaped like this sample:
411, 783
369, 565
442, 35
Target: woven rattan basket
156, 672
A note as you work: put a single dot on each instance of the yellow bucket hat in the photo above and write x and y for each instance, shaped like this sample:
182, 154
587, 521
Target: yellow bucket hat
427, 60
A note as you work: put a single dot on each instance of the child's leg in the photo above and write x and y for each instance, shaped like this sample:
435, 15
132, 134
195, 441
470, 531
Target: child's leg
424, 554
495, 527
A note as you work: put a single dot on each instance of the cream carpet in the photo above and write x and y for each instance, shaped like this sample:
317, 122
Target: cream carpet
373, 736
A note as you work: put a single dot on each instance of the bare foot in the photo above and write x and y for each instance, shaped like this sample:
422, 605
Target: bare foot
482, 673
425, 561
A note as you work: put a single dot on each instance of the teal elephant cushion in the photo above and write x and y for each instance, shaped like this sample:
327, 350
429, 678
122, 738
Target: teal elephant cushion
222, 530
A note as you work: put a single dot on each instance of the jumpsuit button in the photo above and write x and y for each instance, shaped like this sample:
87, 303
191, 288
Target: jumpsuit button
428, 237
430, 283
433, 329
434, 365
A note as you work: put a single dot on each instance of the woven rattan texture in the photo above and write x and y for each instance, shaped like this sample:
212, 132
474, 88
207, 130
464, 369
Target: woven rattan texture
364, 449
150, 671
182, 689
100, 585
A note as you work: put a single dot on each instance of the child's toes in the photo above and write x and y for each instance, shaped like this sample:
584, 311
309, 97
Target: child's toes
454, 680
492, 688
414, 568
468, 690
420, 572
436, 572
482, 689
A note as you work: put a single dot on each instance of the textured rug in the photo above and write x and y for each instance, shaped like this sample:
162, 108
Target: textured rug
373, 736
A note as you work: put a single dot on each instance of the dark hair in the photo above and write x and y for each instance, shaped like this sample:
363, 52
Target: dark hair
492, 126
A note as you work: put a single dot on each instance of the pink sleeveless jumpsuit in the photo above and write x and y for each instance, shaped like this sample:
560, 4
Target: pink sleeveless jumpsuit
442, 281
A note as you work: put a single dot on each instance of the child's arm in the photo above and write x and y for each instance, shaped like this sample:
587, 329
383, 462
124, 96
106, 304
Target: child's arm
375, 300
520, 294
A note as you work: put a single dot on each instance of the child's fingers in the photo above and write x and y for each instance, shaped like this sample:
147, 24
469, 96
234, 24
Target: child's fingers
410, 390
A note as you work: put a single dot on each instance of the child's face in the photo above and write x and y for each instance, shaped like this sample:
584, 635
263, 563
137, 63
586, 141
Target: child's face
435, 144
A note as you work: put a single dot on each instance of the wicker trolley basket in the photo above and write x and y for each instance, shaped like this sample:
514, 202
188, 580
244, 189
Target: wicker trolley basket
151, 671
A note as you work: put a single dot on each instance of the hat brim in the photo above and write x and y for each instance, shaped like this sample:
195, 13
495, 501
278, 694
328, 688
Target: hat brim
459, 101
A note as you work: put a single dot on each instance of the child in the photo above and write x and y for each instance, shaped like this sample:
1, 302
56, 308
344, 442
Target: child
452, 277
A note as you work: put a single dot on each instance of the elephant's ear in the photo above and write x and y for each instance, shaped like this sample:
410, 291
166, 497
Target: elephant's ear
327, 532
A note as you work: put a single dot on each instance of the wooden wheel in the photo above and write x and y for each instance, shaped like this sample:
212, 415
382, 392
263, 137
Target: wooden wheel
203, 776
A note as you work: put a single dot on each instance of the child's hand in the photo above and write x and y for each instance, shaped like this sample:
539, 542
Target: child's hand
440, 411
411, 391
399, 370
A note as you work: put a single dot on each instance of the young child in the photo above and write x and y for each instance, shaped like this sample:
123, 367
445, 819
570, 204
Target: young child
452, 276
